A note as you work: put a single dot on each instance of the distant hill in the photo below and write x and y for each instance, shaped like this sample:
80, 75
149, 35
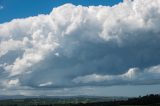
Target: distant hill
144, 100
20, 100
4, 97
100, 98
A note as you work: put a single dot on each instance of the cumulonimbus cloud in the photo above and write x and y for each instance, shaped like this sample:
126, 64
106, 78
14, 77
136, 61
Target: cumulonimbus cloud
83, 46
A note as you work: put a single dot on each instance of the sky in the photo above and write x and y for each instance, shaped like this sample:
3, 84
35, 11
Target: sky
20, 9
79, 47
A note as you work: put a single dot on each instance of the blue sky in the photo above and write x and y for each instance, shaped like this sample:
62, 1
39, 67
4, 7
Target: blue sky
74, 50
20, 9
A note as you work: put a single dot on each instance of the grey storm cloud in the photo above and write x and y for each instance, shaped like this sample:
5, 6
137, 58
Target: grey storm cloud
76, 46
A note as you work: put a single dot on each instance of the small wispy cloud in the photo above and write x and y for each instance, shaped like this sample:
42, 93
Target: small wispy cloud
1, 7
45, 84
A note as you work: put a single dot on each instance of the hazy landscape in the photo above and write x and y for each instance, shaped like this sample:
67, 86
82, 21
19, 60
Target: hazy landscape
148, 100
